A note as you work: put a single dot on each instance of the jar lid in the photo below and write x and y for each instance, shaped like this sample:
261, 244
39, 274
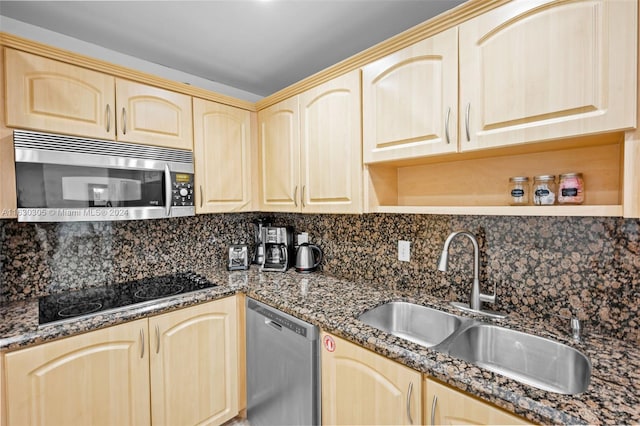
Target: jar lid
519, 179
564, 175
545, 177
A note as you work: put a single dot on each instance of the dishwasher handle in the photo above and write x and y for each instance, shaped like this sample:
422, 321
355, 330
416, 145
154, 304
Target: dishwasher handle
273, 324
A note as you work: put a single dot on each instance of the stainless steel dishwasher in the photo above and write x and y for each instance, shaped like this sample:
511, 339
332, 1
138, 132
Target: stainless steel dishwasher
283, 368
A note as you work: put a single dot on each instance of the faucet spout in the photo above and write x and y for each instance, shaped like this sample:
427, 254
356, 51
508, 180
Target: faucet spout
476, 298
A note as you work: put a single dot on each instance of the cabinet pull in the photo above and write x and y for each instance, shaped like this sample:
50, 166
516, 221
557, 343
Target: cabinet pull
433, 410
124, 121
409, 392
201, 198
302, 198
446, 126
466, 122
141, 343
108, 118
157, 339
295, 196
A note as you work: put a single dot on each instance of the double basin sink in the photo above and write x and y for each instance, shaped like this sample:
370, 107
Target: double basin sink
532, 360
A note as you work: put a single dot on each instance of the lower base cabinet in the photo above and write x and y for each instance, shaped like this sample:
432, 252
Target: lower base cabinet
176, 368
446, 406
194, 365
360, 387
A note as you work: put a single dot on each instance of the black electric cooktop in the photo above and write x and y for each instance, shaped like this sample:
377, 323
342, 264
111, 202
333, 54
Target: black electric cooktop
71, 304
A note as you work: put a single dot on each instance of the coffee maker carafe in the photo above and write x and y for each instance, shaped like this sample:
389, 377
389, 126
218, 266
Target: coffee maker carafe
258, 231
277, 242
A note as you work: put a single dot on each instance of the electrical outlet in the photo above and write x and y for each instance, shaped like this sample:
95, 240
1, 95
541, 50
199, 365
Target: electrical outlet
404, 251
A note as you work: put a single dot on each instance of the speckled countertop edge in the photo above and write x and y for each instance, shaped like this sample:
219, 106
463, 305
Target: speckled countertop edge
613, 396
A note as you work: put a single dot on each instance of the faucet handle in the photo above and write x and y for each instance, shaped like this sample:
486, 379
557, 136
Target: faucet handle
489, 298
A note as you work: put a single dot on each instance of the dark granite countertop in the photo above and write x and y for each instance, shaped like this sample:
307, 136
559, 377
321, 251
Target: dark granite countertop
613, 397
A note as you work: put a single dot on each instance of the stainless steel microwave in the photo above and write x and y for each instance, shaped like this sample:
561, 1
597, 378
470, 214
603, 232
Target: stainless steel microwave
64, 178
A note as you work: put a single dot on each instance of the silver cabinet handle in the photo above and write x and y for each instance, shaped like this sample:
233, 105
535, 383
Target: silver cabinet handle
108, 118
302, 198
141, 343
201, 197
409, 392
295, 196
446, 126
433, 410
157, 339
466, 122
124, 121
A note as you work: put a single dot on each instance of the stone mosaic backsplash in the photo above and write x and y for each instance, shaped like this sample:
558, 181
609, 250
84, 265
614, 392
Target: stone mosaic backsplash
540, 266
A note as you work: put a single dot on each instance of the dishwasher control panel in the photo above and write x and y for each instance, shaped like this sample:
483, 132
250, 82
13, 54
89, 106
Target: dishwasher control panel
280, 319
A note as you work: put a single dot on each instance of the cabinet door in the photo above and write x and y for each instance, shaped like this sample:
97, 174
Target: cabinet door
364, 388
153, 116
330, 148
194, 367
410, 101
540, 70
97, 378
222, 154
446, 406
43, 94
279, 146
8, 199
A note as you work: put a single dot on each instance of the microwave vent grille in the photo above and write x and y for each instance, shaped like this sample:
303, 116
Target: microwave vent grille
61, 143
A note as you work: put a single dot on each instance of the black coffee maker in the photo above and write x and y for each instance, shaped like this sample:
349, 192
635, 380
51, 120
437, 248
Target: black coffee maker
277, 242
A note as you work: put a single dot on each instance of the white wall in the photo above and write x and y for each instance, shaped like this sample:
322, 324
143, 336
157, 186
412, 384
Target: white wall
31, 32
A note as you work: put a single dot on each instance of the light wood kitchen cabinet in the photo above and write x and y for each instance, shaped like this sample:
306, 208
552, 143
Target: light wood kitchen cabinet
410, 101
362, 387
331, 147
310, 150
8, 199
153, 116
446, 406
52, 96
222, 156
175, 368
43, 94
542, 70
194, 365
279, 144
546, 87
97, 378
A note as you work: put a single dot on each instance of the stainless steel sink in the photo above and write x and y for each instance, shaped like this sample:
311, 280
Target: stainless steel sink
416, 323
533, 360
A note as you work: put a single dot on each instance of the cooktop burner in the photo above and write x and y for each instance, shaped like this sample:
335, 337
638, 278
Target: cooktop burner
62, 306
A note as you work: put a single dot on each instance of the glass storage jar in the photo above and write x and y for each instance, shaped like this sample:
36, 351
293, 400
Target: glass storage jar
519, 191
571, 188
544, 190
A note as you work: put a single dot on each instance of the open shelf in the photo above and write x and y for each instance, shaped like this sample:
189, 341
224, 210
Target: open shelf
477, 183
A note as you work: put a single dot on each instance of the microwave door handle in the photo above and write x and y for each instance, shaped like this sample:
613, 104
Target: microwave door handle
167, 190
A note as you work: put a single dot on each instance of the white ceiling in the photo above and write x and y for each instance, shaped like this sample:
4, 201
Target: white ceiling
257, 46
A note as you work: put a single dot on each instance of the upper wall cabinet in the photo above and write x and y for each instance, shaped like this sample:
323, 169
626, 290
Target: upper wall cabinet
331, 146
279, 144
310, 150
153, 116
541, 70
222, 154
410, 101
43, 94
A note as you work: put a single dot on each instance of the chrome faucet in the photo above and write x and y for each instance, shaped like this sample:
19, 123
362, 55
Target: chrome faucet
476, 297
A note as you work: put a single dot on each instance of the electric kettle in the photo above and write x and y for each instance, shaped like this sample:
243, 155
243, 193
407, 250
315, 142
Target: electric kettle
308, 257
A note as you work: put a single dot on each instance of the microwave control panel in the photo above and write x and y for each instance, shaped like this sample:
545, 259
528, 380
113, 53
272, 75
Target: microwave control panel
182, 189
